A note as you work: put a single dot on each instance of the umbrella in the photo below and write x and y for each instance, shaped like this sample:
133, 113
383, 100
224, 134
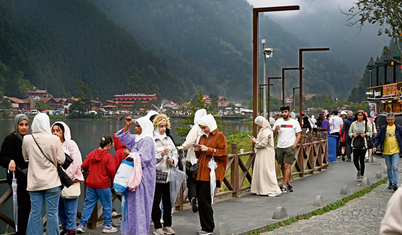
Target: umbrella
183, 160
14, 186
212, 181
176, 179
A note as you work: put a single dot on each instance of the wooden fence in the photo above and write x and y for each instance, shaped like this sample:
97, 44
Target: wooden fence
311, 157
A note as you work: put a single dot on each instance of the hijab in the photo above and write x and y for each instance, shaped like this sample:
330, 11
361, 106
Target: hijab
209, 121
19, 118
41, 123
261, 121
199, 114
150, 114
146, 126
157, 134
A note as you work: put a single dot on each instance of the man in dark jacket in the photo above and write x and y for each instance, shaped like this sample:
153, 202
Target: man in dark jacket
390, 136
345, 130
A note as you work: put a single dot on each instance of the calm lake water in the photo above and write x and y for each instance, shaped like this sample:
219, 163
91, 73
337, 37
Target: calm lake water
87, 135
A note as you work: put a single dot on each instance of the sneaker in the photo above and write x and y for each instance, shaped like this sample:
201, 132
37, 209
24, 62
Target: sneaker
283, 189
114, 213
193, 203
202, 232
339, 157
70, 232
360, 178
158, 231
395, 187
116, 223
109, 229
63, 232
358, 175
80, 228
168, 231
389, 187
343, 157
273, 195
289, 188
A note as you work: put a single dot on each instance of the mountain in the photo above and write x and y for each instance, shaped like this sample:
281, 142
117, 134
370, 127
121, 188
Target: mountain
216, 35
63, 46
172, 48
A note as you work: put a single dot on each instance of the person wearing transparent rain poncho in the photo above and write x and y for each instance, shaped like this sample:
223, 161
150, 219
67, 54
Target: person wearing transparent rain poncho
264, 175
211, 151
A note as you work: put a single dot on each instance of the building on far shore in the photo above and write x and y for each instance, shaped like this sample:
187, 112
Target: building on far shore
127, 100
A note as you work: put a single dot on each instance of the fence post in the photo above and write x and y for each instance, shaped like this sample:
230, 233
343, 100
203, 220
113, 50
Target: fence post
234, 169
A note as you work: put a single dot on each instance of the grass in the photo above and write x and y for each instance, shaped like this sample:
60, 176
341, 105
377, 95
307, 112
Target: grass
320, 211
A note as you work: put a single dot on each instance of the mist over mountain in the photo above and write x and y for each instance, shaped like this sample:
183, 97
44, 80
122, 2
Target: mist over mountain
172, 48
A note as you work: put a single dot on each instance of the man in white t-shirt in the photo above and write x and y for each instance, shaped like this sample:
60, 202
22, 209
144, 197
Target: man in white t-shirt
335, 123
288, 132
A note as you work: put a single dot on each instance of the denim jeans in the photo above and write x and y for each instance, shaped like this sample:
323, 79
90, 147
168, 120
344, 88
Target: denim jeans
68, 213
92, 196
35, 224
392, 162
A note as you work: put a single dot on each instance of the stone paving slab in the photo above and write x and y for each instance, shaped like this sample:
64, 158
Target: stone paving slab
251, 212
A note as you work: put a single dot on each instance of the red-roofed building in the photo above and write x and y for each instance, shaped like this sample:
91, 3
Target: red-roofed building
19, 103
127, 100
39, 93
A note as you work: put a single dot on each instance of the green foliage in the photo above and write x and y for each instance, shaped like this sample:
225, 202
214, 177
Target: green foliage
43, 105
199, 103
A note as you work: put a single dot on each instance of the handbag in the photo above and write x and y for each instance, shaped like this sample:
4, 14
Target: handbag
67, 162
161, 176
71, 192
194, 168
64, 178
359, 142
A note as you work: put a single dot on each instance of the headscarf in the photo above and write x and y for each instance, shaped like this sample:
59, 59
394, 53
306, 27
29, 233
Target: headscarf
209, 121
200, 113
157, 134
19, 118
41, 123
151, 113
261, 121
146, 126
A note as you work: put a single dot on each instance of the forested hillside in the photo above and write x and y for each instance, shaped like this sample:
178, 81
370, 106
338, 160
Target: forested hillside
65, 45
216, 35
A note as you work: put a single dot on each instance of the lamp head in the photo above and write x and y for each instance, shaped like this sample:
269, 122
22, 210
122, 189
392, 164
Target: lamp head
268, 52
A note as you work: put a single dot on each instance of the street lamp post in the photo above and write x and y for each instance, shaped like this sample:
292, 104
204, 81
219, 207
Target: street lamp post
283, 82
269, 93
256, 12
301, 50
294, 88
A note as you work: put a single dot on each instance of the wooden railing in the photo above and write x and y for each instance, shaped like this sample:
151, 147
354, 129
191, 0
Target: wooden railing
311, 157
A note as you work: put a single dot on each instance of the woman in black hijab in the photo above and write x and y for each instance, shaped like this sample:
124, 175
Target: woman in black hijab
11, 158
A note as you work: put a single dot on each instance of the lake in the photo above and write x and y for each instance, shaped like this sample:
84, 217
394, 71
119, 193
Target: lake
87, 135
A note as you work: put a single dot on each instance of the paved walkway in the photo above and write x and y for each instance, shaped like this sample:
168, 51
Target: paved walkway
251, 212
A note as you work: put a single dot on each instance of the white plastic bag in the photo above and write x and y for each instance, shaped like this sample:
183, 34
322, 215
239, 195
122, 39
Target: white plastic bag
123, 175
212, 177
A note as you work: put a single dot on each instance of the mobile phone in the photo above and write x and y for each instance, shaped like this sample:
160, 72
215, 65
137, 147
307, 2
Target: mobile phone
196, 145
249, 136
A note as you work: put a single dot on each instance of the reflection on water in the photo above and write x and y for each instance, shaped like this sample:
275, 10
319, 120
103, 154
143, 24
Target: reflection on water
87, 135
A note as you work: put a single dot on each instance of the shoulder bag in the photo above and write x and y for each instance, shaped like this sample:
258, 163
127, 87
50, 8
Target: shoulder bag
369, 139
194, 168
64, 178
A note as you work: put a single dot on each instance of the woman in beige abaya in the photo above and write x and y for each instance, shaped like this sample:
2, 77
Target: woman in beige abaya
264, 177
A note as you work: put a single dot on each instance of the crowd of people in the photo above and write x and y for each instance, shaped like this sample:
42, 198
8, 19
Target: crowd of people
33, 159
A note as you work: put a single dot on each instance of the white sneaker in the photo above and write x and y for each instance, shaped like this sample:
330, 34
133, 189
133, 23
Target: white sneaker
273, 195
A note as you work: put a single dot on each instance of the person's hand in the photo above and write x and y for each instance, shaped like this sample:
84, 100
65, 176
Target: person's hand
126, 152
374, 150
354, 135
363, 135
129, 120
203, 148
165, 152
11, 166
277, 128
254, 140
197, 148
170, 161
294, 145
179, 148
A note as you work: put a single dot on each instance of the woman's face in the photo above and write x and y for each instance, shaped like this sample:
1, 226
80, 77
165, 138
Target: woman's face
162, 127
205, 129
23, 127
138, 128
56, 130
360, 116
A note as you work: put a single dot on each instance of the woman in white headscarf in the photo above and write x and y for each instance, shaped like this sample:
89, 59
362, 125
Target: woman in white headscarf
264, 175
43, 180
140, 201
192, 138
212, 144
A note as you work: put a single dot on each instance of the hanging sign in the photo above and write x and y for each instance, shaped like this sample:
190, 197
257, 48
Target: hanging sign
389, 90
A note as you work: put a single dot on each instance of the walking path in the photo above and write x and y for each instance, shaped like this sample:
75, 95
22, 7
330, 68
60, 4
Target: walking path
251, 212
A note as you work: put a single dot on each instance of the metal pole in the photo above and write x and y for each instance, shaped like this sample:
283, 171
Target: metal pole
265, 82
